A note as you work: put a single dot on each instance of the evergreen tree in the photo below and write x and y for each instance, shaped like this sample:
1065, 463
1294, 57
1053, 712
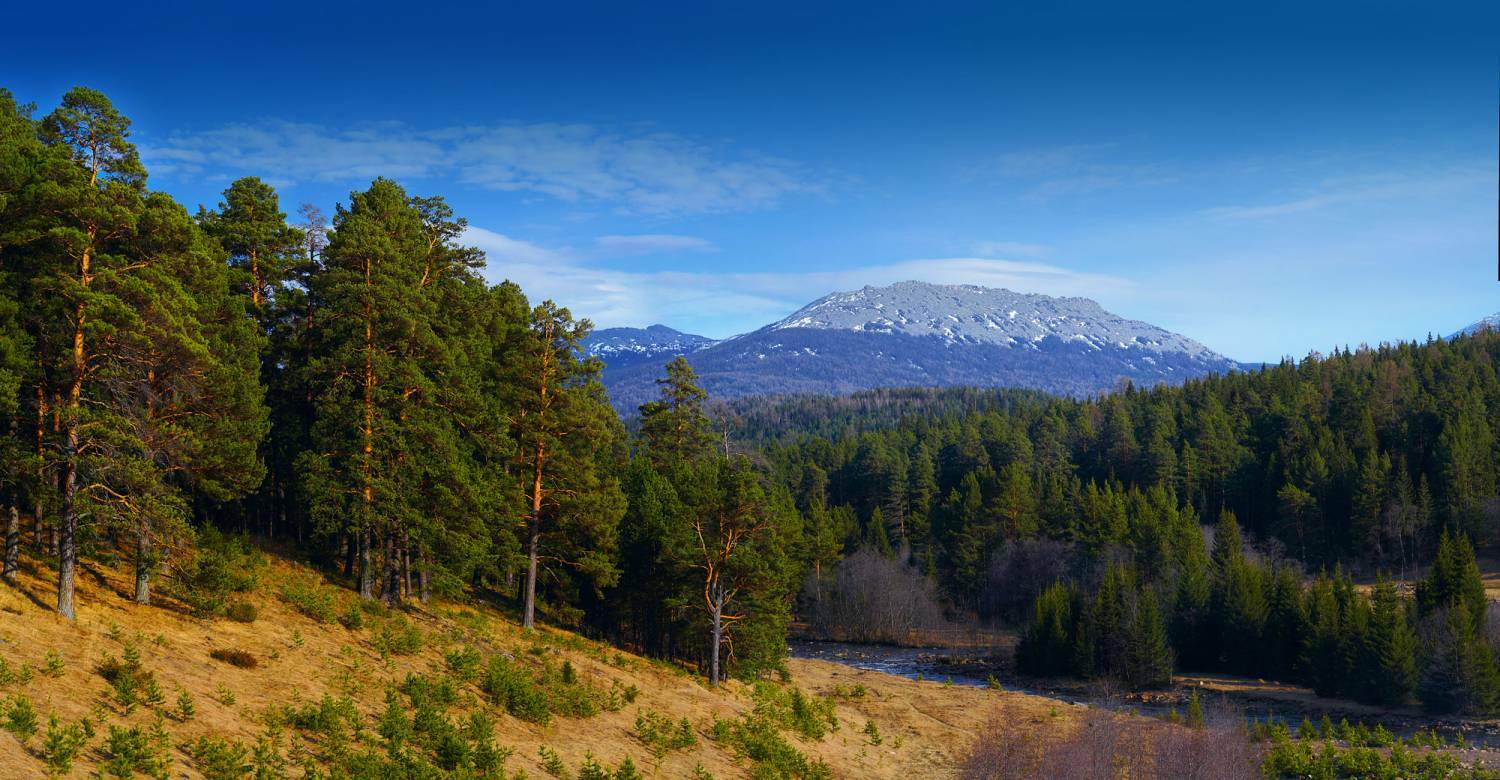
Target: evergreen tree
675, 428
251, 227
91, 190
561, 422
1046, 647
1150, 656
1390, 649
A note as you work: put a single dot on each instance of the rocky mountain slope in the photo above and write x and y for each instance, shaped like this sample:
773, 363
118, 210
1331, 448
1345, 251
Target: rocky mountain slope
656, 345
1491, 322
920, 334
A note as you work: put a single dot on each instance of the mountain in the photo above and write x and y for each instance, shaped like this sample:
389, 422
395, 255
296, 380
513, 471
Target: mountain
1491, 322
920, 334
621, 348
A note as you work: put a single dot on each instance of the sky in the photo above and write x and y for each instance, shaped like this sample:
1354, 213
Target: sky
1268, 178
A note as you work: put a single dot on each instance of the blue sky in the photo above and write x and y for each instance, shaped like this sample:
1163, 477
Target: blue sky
1268, 178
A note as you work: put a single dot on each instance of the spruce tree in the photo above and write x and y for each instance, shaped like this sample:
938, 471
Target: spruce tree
1150, 655
1046, 647
1390, 657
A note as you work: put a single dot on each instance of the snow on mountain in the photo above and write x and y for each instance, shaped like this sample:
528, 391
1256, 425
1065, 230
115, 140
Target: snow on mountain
1491, 322
969, 314
916, 334
625, 346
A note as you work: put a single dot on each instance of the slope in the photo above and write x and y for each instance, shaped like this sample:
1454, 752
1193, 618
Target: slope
325, 686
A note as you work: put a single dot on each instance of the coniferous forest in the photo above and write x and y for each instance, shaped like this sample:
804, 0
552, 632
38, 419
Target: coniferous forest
348, 387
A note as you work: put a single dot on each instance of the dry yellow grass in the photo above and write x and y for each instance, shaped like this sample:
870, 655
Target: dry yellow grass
927, 727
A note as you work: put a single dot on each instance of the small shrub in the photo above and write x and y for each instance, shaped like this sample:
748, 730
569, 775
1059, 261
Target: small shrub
151, 693
811, 717
61, 744
509, 686
186, 707
756, 739
872, 732
552, 762
20, 718
627, 771
220, 759
352, 618
7, 675
133, 750
463, 663
242, 612
660, 735
398, 637
53, 665
234, 657
127, 678
221, 565
310, 598
266, 759
297, 639
224, 695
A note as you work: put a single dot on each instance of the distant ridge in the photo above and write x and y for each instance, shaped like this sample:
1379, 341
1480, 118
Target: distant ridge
916, 334
657, 344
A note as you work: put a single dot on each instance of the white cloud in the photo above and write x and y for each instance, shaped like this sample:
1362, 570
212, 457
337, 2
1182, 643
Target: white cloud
653, 243
1368, 188
994, 248
722, 304
642, 172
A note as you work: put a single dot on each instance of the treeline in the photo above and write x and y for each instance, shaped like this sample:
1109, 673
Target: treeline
353, 389
1233, 611
1359, 457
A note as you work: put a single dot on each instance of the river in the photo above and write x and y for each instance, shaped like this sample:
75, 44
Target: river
1258, 700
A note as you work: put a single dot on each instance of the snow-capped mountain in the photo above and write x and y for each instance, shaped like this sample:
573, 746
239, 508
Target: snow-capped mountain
621, 347
969, 314
1491, 322
919, 334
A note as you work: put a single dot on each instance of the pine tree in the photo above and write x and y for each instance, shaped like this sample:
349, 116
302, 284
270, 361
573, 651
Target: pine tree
251, 227
675, 428
741, 554
91, 190
562, 421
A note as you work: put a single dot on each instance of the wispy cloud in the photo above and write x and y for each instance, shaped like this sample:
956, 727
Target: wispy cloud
1364, 189
654, 243
720, 304
644, 172
1002, 248
1051, 172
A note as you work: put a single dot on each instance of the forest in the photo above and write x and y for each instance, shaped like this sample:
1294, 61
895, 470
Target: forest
350, 389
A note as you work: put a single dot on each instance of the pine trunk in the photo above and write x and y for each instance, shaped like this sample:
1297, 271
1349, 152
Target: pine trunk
717, 638
534, 541
13, 543
366, 575
67, 542
143, 563
65, 536
422, 578
392, 574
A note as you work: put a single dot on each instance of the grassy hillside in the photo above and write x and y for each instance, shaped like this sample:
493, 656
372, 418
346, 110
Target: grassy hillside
330, 686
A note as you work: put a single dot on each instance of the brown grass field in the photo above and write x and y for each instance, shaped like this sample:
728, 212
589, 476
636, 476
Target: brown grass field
927, 728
